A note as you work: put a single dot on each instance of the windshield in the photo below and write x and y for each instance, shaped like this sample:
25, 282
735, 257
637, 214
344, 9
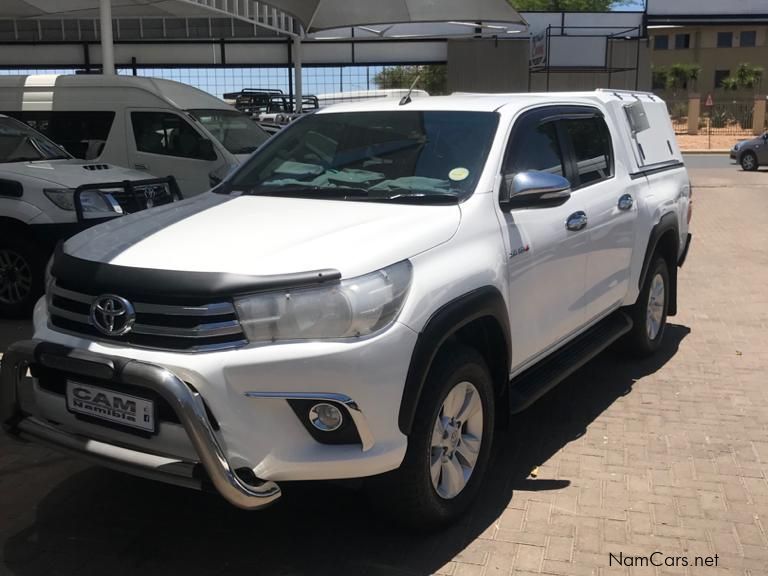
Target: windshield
434, 156
20, 143
236, 131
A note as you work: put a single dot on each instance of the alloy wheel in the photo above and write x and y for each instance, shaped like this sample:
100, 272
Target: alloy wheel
655, 309
15, 277
457, 435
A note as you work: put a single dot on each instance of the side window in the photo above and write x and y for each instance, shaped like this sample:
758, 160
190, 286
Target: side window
82, 134
170, 135
535, 146
592, 151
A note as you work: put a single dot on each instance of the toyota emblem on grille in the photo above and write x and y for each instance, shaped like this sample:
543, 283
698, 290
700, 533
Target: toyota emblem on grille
112, 315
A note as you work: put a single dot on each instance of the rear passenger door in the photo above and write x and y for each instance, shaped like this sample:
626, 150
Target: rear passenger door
547, 261
610, 197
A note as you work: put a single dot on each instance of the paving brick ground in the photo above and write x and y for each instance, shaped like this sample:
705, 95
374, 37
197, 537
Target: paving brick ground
669, 455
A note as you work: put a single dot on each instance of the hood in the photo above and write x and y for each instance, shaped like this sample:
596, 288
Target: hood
73, 173
262, 235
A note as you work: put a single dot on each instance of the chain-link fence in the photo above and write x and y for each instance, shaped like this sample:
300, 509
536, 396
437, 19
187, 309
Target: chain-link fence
316, 80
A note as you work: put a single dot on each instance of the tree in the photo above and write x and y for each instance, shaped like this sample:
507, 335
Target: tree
432, 78
677, 76
747, 77
567, 5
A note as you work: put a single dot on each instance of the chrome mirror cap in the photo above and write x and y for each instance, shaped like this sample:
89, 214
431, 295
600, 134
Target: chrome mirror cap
534, 190
542, 185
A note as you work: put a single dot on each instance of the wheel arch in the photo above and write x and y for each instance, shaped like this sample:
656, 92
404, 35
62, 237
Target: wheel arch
478, 318
664, 241
14, 226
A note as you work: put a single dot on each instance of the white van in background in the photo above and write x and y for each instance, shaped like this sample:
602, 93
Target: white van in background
158, 126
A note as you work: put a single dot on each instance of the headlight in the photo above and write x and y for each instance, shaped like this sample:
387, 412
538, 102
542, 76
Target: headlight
91, 200
355, 307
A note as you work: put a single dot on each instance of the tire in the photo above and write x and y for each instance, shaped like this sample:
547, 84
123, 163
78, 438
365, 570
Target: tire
649, 314
21, 276
410, 494
748, 161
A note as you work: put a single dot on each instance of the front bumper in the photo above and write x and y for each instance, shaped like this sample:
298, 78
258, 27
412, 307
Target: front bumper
187, 404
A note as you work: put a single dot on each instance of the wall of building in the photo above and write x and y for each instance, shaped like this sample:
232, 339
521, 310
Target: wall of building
487, 65
624, 55
502, 66
703, 50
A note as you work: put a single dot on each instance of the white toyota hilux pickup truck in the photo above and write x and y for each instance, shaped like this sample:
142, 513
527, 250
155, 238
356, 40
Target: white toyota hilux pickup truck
370, 295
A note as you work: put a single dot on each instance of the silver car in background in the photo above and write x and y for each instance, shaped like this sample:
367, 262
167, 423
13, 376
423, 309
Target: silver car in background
751, 154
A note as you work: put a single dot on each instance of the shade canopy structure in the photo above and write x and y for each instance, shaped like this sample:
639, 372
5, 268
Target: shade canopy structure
295, 18
319, 15
323, 15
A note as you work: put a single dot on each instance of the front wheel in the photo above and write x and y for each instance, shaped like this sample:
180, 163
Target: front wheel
649, 314
748, 161
449, 446
21, 277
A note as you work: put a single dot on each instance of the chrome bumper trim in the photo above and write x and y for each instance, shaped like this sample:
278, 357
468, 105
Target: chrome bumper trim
363, 430
187, 404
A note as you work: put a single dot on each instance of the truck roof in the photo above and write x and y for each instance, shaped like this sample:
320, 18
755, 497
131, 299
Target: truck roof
478, 102
180, 95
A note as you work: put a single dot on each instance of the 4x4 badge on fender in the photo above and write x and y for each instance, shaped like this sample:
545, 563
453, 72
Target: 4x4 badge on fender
112, 315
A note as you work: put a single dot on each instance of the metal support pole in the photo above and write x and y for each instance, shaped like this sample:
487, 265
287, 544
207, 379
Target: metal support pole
297, 71
107, 42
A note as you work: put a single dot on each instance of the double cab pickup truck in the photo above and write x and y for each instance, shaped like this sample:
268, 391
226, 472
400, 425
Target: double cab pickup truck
371, 295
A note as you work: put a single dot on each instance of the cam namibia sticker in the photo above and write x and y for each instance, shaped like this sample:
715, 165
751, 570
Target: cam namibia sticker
458, 174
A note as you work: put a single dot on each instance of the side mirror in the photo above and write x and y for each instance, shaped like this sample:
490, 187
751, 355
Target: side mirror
533, 190
206, 150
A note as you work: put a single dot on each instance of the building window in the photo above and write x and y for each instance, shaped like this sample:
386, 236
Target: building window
724, 39
682, 41
748, 38
721, 75
661, 42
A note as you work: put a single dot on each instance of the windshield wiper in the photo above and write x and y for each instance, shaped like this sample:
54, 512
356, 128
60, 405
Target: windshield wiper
23, 159
419, 198
309, 192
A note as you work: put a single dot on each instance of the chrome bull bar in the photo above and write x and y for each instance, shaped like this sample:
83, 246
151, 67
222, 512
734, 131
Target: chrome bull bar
186, 403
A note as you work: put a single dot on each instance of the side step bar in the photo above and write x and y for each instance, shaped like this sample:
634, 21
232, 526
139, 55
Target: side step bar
539, 379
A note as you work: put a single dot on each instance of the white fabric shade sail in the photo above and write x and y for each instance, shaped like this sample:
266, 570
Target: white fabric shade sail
318, 15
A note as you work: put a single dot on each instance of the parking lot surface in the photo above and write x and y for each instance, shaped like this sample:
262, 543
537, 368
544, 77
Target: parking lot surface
667, 456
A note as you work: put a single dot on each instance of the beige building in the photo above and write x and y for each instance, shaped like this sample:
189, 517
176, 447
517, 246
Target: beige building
718, 35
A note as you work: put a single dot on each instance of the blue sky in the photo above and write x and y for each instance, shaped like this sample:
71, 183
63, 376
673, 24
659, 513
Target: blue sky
631, 6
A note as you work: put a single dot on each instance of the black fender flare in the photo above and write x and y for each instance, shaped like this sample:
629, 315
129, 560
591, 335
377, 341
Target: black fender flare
668, 222
482, 302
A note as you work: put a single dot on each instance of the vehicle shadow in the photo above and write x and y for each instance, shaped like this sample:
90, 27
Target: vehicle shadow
99, 522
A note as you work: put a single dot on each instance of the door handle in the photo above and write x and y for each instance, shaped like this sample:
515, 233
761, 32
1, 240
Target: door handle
626, 202
576, 221
140, 166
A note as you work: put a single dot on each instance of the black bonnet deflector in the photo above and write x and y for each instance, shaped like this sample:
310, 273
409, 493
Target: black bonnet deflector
172, 286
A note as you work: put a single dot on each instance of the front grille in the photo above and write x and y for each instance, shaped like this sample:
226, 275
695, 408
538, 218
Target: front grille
188, 328
142, 197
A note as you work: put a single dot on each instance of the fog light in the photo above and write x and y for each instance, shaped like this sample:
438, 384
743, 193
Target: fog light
325, 417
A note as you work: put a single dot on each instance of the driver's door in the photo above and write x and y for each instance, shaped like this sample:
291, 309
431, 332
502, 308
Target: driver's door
164, 143
547, 260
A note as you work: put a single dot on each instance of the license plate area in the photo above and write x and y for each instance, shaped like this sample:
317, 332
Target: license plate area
111, 406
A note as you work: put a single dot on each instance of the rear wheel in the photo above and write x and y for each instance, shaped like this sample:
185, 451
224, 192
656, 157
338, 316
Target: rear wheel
449, 446
21, 277
649, 314
748, 161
